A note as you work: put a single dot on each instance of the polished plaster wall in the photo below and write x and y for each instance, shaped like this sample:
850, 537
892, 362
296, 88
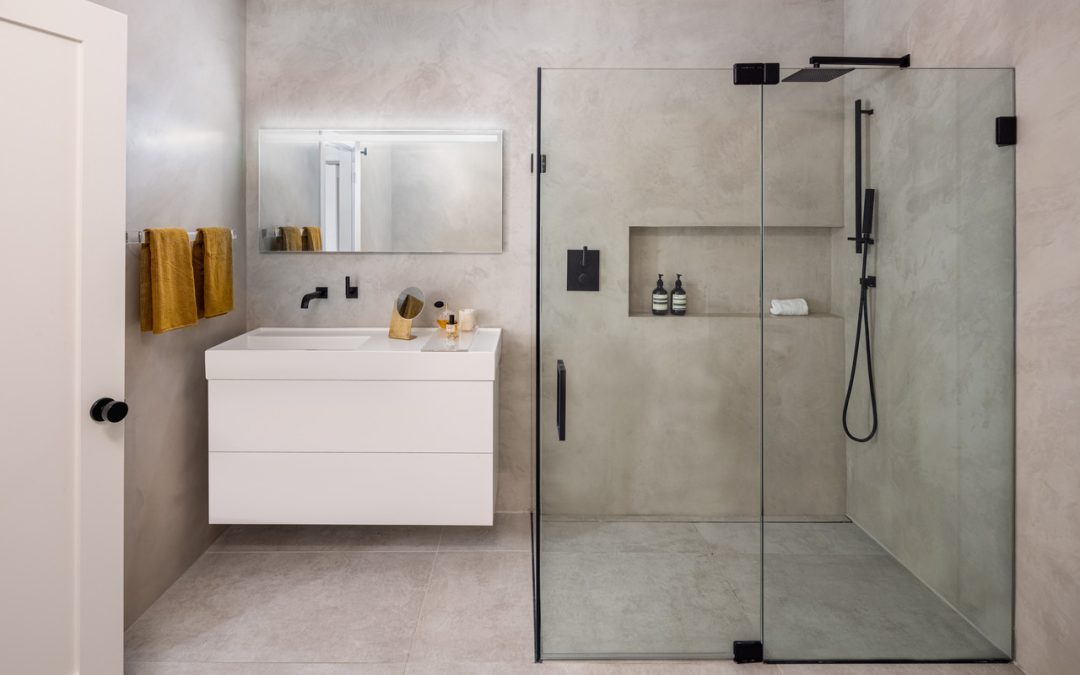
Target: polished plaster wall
472, 65
934, 486
184, 169
1039, 39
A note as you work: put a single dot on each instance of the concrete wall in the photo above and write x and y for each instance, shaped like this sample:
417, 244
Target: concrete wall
934, 486
1039, 38
458, 65
185, 84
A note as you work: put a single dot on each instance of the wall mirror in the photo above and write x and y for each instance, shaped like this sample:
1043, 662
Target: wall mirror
380, 191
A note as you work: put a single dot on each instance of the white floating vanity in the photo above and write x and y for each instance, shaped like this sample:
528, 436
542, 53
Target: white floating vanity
346, 426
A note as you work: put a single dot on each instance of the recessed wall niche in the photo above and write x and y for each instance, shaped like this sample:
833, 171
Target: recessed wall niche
721, 267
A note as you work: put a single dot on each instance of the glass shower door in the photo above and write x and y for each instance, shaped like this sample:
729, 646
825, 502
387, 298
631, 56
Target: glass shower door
649, 463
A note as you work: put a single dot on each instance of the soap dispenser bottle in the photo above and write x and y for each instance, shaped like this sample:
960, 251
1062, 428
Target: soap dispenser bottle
678, 298
659, 297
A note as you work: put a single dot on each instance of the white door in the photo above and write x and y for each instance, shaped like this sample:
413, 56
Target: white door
337, 197
62, 111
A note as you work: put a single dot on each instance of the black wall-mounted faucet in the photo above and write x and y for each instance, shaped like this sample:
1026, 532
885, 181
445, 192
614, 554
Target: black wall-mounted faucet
321, 293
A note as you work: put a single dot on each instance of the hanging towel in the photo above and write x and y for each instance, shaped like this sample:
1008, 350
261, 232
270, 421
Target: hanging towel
290, 239
792, 307
211, 259
166, 281
312, 239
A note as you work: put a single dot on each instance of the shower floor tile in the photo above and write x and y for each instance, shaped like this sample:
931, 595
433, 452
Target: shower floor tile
831, 593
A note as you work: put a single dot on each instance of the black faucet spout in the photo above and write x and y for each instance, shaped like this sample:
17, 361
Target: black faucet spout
321, 293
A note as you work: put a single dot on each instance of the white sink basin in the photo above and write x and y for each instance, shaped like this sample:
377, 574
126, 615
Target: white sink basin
351, 354
288, 339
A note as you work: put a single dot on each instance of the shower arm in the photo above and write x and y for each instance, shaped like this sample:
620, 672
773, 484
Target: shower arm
898, 62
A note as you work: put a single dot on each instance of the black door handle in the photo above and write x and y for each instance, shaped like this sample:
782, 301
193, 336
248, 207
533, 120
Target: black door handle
560, 399
108, 410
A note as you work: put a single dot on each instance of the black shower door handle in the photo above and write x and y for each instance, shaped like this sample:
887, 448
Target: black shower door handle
560, 399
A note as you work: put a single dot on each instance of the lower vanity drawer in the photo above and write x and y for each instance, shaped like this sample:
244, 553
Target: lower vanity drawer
308, 488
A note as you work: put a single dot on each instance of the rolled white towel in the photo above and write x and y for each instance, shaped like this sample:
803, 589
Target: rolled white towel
792, 307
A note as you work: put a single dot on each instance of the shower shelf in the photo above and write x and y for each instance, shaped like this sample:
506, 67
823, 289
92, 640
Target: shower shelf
731, 315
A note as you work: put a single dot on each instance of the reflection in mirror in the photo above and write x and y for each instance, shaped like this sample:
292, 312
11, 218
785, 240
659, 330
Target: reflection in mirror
380, 191
410, 303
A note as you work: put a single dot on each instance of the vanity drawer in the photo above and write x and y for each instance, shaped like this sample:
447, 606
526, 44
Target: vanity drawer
352, 488
352, 416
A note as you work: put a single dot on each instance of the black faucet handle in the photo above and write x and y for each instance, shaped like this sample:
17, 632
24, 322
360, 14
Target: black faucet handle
351, 292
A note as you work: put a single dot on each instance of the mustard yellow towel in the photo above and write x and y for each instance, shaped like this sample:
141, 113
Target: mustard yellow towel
290, 239
166, 281
211, 259
312, 239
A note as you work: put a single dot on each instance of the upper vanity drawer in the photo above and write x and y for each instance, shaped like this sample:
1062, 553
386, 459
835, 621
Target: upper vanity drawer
350, 416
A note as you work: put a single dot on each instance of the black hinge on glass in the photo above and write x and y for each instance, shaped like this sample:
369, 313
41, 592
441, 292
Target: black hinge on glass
1005, 130
748, 651
757, 73
532, 163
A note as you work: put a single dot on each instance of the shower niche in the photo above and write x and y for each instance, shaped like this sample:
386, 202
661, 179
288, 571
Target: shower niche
720, 267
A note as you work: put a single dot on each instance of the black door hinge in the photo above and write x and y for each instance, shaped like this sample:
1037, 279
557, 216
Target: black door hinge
1005, 130
532, 163
757, 73
748, 651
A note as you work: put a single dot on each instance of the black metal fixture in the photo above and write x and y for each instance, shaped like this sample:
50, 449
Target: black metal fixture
560, 399
818, 74
756, 73
864, 227
321, 293
351, 292
1005, 130
108, 410
582, 269
748, 651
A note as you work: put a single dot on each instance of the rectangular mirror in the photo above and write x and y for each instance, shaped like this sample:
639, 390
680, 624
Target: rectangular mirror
380, 191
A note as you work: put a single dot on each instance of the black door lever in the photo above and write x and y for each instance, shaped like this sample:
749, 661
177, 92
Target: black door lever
560, 399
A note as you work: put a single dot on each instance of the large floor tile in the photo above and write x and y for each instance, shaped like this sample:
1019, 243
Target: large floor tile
511, 532
902, 669
839, 607
639, 604
595, 668
166, 668
286, 607
621, 536
478, 609
819, 539
328, 538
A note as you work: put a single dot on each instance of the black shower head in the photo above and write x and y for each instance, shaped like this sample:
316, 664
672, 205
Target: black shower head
817, 74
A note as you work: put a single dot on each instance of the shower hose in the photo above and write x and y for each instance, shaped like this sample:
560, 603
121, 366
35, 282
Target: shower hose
863, 322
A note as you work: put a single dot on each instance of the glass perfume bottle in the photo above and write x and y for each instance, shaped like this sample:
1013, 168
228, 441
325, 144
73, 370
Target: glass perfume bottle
451, 332
659, 297
443, 314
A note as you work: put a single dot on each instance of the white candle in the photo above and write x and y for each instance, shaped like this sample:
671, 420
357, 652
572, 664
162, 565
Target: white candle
467, 319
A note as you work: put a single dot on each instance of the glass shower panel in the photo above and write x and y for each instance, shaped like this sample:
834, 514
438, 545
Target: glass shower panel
899, 547
649, 498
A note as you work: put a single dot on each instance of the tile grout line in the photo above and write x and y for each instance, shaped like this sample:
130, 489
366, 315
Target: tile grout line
423, 602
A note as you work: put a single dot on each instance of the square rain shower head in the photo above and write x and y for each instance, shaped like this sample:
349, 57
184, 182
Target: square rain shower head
817, 74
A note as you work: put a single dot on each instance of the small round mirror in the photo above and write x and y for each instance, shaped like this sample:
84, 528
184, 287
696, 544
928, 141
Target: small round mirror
410, 303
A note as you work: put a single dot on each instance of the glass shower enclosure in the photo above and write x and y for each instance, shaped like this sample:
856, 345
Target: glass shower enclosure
695, 485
